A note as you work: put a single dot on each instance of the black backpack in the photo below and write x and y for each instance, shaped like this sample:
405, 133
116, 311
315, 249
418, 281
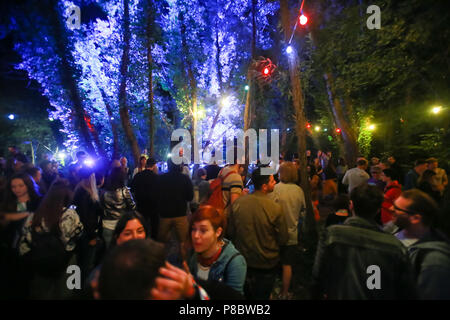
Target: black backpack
47, 256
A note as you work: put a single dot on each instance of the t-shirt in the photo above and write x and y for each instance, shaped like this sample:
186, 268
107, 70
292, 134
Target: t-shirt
376, 183
439, 178
354, 178
258, 228
292, 201
232, 184
203, 272
21, 206
407, 242
441, 175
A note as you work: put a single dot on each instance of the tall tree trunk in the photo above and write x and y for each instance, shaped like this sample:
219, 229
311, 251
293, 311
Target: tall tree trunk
219, 79
249, 101
68, 73
311, 236
112, 123
283, 147
218, 64
254, 8
348, 104
123, 108
248, 111
190, 75
348, 134
151, 101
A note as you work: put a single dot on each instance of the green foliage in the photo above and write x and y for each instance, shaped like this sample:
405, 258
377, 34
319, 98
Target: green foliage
397, 72
25, 130
364, 140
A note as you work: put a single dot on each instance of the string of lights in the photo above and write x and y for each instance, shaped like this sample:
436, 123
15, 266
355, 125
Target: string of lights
303, 20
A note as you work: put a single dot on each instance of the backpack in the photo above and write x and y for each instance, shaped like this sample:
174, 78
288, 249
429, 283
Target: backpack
47, 256
216, 198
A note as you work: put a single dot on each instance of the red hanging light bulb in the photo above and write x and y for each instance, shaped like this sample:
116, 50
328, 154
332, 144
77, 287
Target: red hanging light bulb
303, 19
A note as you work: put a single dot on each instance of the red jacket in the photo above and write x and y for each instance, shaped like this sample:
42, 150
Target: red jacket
392, 191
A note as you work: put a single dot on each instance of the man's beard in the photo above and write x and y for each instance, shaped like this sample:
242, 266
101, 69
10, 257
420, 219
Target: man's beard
402, 222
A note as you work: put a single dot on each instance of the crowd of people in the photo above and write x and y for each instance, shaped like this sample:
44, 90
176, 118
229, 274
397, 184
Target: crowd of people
222, 232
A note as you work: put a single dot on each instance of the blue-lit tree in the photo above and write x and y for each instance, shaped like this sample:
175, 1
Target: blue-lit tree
100, 53
207, 54
132, 65
44, 45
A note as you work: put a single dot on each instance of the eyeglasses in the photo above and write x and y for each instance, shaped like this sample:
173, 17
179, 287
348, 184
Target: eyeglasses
403, 210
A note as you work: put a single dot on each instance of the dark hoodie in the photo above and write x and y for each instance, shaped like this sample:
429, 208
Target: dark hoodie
430, 257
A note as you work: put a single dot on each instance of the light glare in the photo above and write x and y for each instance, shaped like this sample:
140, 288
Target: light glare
436, 110
89, 162
303, 20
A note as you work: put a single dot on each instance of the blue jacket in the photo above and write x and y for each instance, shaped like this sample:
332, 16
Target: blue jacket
230, 268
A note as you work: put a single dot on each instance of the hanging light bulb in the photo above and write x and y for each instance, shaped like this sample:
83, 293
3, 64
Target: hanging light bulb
303, 19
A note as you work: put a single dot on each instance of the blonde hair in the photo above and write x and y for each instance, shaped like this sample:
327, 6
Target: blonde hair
288, 172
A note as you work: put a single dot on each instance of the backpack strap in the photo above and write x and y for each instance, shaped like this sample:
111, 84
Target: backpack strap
223, 178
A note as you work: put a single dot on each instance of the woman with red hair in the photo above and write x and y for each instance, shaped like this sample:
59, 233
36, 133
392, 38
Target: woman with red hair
214, 258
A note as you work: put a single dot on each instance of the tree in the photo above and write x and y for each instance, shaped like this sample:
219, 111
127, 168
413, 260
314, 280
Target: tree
123, 107
45, 50
150, 33
381, 74
297, 100
219, 31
